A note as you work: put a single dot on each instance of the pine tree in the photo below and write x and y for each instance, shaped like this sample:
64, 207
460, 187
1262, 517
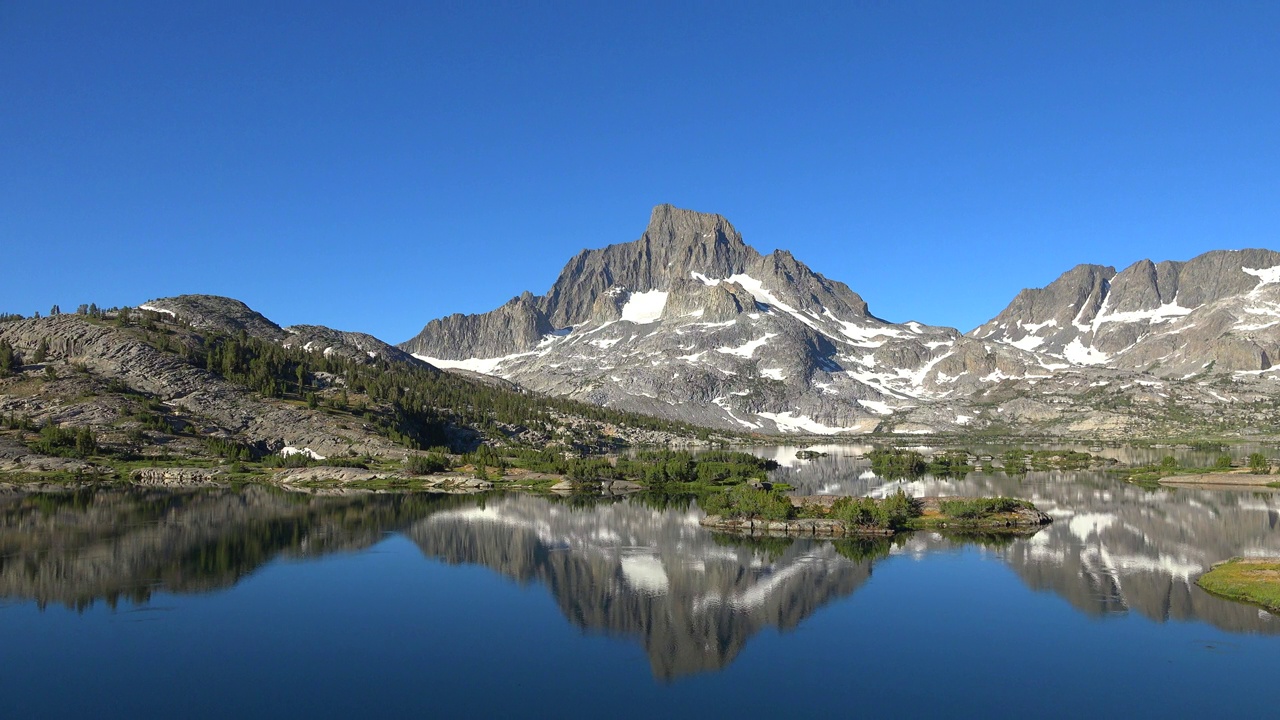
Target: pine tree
86, 443
55, 310
42, 351
10, 360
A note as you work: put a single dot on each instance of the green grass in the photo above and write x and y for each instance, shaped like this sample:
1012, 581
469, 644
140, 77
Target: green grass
1252, 581
976, 508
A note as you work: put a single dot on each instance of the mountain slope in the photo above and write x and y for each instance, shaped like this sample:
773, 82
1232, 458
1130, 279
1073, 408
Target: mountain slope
1220, 310
230, 316
689, 322
198, 375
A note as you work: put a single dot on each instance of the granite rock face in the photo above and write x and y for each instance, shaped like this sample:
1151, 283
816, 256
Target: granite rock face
689, 322
1220, 309
213, 312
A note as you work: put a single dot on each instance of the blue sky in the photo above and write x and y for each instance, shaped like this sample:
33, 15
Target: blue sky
370, 166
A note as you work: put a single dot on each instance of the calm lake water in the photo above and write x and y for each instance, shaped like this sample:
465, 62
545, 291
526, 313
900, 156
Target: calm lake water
262, 603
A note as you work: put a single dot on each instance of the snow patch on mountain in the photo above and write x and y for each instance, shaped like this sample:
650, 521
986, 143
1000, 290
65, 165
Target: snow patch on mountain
1078, 354
790, 422
645, 307
747, 349
153, 308
1266, 276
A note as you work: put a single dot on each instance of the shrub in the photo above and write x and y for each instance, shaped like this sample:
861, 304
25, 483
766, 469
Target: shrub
892, 512
973, 508
746, 501
54, 440
865, 512
1223, 462
1015, 461
1259, 463
892, 462
426, 464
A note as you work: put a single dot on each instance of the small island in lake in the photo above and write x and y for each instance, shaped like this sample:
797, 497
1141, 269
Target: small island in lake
754, 511
1254, 580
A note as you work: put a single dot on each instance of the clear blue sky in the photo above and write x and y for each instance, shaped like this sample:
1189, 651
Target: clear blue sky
370, 166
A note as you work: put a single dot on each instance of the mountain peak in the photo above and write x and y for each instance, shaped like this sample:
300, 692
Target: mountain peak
670, 225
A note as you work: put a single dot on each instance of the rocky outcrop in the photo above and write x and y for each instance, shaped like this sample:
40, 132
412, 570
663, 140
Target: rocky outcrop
518, 326
354, 346
213, 312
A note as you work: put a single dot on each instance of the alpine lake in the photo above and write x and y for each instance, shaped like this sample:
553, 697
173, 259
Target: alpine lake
259, 602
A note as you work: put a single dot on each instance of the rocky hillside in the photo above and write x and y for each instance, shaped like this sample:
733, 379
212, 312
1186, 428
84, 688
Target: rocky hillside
211, 312
1219, 310
690, 322
200, 376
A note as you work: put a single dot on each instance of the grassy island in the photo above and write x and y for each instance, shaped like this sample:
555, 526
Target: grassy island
1253, 580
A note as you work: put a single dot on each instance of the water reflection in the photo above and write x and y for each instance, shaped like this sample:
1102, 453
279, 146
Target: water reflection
637, 568
693, 599
1113, 547
77, 548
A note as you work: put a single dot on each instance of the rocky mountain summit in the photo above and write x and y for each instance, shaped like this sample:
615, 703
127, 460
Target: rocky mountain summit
690, 322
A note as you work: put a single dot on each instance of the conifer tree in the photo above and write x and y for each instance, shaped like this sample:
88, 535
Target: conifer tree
10, 360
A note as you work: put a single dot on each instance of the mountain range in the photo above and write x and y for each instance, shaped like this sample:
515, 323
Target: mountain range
691, 323
686, 327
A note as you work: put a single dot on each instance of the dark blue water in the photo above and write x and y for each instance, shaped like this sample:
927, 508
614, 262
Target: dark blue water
256, 603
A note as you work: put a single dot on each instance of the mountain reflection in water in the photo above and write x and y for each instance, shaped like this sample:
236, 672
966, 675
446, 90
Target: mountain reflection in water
693, 598
640, 568
1113, 547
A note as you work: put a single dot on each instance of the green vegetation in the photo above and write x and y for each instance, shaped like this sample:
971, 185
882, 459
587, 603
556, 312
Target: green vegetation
411, 405
1018, 461
428, 464
1015, 461
54, 440
953, 463
891, 463
891, 513
663, 470
1259, 463
744, 501
1249, 580
896, 513
1149, 476
975, 508
10, 360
